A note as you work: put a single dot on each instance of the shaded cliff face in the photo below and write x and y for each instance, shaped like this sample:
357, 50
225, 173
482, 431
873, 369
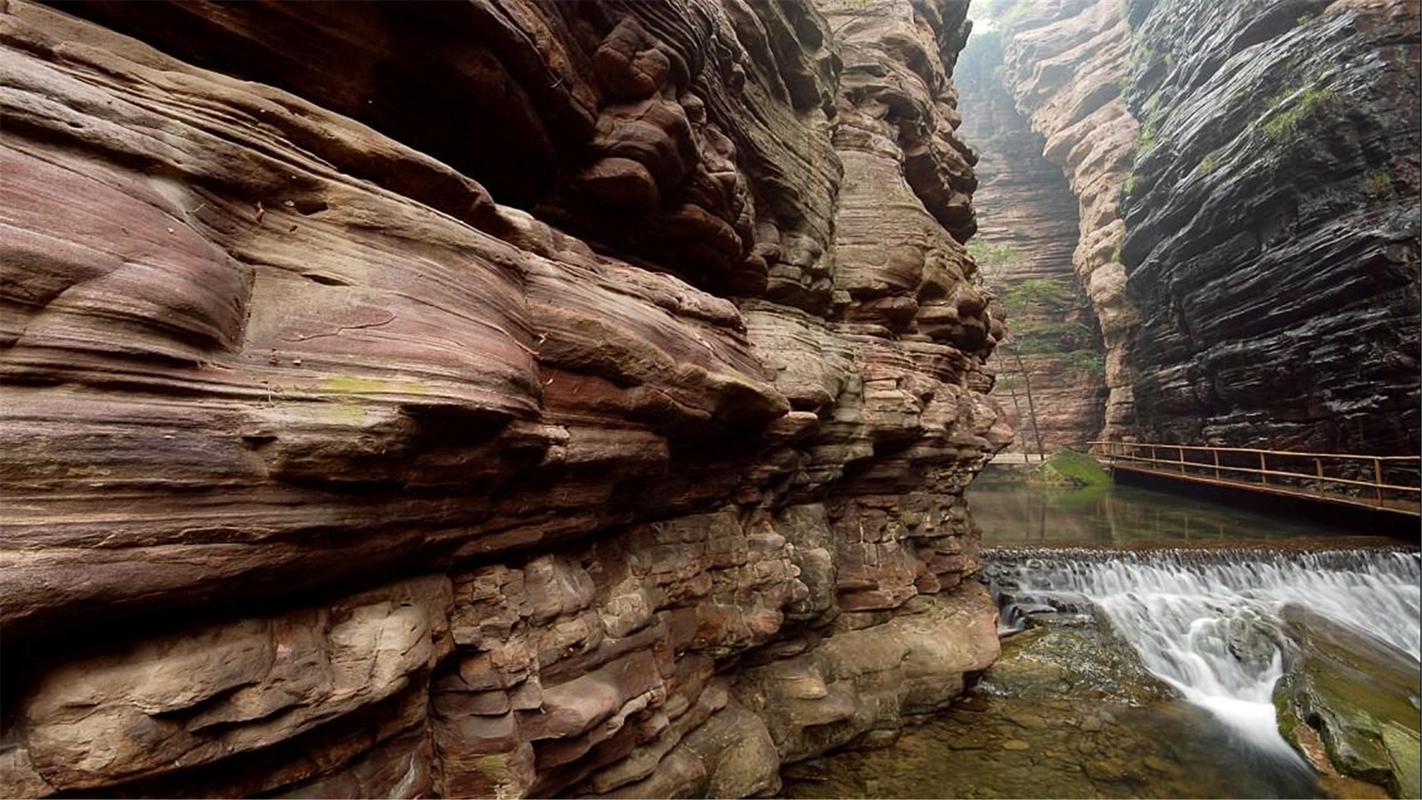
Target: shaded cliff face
1272, 224
483, 399
1247, 177
1024, 247
1062, 60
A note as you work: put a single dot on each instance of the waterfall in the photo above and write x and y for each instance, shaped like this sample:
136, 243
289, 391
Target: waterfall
1208, 621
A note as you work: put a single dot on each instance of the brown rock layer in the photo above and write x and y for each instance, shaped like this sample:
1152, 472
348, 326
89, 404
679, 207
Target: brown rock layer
1063, 61
326, 472
1025, 246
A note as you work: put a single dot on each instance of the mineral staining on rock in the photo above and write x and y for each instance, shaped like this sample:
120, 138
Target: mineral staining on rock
505, 399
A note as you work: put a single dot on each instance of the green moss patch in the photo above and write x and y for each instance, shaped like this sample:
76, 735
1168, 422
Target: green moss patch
1069, 468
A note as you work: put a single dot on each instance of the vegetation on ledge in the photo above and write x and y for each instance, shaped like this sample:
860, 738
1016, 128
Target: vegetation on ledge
1069, 468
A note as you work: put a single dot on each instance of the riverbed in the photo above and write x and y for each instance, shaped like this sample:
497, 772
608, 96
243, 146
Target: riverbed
1144, 635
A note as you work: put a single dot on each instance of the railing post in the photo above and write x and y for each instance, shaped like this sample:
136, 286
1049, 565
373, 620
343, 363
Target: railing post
1153, 465
1377, 478
1263, 470
1318, 467
1217, 463
1181, 452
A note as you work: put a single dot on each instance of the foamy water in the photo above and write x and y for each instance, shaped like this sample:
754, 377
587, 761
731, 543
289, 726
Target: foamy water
1207, 622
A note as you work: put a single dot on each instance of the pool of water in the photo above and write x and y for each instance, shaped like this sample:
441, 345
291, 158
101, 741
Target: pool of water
1012, 512
1144, 641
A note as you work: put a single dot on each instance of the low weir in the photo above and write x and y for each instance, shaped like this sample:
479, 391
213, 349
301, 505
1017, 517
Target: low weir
1209, 622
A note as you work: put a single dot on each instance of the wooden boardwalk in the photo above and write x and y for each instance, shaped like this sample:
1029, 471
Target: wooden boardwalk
1379, 483
1018, 458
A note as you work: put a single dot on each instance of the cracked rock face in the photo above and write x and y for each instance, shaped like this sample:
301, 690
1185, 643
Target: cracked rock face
501, 399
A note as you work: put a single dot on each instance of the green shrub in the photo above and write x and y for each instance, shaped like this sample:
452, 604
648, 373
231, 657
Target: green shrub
1145, 136
1036, 293
1282, 126
991, 255
1128, 186
1084, 360
1379, 184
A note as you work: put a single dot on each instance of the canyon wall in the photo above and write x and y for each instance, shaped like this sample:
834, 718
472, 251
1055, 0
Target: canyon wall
1061, 61
1024, 246
1272, 223
1248, 184
488, 399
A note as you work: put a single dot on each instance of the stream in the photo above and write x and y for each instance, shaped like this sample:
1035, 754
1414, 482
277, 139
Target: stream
1144, 636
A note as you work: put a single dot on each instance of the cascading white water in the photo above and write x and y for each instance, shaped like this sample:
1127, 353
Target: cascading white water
1207, 621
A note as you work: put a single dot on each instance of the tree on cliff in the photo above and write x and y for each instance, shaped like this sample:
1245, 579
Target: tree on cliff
991, 258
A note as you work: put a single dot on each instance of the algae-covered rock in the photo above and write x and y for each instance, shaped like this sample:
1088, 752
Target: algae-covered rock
1052, 660
1360, 695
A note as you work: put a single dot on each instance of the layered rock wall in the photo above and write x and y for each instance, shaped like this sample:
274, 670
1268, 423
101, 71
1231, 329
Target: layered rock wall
1062, 60
1024, 247
1248, 184
1272, 224
484, 399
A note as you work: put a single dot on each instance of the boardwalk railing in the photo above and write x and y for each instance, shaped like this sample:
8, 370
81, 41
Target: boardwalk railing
1390, 483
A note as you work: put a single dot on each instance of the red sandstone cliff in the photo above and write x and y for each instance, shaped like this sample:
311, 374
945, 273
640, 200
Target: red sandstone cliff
502, 398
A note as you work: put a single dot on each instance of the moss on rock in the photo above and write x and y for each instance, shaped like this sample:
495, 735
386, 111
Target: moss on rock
1070, 469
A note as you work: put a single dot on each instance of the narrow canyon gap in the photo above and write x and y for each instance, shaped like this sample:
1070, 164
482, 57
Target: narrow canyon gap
1246, 252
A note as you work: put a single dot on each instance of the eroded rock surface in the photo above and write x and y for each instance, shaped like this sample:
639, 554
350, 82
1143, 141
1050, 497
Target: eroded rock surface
1025, 249
492, 399
1247, 177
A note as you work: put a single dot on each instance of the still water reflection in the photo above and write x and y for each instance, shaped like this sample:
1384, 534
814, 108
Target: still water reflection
1012, 513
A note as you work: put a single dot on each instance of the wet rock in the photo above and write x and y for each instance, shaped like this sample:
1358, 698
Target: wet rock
1027, 720
1263, 169
813, 769
1359, 695
1090, 660
1111, 771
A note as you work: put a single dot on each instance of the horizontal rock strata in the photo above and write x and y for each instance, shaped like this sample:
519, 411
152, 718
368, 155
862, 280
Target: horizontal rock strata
1248, 179
489, 399
1063, 61
1271, 226
1025, 247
